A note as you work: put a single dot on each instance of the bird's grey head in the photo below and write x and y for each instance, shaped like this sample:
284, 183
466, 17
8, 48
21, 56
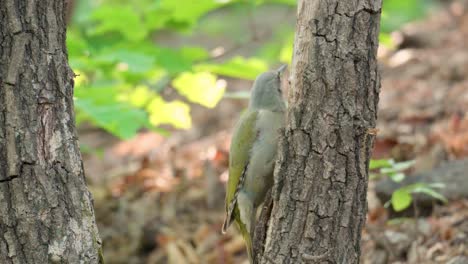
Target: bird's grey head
266, 91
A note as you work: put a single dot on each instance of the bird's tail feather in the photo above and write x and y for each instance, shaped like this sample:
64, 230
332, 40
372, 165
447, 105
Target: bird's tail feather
248, 241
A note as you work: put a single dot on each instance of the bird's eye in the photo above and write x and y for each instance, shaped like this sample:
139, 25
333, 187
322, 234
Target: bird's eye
279, 91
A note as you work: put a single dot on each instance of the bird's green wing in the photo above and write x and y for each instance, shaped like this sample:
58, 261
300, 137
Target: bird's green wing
242, 141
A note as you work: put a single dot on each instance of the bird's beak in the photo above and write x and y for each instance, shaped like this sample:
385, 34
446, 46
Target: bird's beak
281, 69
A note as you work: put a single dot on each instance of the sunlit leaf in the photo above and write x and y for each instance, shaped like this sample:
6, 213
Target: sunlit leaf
194, 53
379, 163
401, 199
140, 96
287, 2
175, 113
237, 67
201, 87
386, 39
286, 52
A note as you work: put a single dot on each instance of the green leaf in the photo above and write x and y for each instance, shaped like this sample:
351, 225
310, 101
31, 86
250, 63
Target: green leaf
286, 52
286, 2
119, 119
237, 67
380, 163
177, 61
398, 167
129, 60
140, 96
100, 105
432, 193
119, 18
397, 177
202, 88
76, 44
175, 113
386, 40
190, 11
426, 189
193, 53
401, 199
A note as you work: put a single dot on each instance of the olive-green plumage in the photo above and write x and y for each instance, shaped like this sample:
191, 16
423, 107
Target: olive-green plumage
252, 154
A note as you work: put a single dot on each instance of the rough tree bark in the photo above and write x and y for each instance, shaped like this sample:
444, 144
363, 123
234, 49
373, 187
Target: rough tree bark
46, 212
319, 197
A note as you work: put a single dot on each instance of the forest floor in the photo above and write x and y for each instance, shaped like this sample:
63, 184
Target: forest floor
161, 200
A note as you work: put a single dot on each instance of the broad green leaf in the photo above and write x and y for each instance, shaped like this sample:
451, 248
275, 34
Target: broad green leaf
175, 113
427, 189
194, 53
190, 11
237, 67
76, 44
401, 199
140, 96
380, 163
431, 192
386, 39
173, 60
129, 60
119, 18
201, 87
100, 105
286, 2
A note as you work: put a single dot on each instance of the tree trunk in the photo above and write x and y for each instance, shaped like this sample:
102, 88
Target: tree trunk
321, 176
46, 212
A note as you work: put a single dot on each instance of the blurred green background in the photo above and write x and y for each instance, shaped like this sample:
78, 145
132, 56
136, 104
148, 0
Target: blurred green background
128, 54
